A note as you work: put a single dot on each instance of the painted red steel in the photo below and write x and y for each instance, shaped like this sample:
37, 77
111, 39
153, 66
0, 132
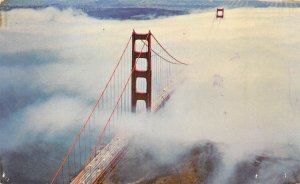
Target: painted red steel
147, 74
220, 13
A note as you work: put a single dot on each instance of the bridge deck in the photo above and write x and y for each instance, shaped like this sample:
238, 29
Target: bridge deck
103, 162
107, 158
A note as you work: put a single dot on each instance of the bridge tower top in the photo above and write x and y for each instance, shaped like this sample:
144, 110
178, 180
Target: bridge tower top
144, 74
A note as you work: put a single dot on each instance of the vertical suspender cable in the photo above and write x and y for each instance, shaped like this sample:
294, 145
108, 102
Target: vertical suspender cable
88, 119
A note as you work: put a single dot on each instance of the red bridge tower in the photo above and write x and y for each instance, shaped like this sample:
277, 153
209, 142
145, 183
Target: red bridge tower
137, 73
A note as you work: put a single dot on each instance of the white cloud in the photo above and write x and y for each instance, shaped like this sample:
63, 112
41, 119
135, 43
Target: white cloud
55, 116
257, 105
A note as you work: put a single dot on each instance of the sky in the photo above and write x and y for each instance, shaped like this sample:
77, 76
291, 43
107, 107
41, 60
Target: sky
241, 87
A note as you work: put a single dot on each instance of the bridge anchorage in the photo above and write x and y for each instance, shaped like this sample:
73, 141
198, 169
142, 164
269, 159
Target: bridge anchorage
144, 74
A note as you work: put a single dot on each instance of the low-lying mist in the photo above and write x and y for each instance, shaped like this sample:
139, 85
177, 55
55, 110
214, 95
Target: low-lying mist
239, 92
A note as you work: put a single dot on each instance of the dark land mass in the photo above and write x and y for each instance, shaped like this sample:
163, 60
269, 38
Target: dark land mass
138, 11
200, 165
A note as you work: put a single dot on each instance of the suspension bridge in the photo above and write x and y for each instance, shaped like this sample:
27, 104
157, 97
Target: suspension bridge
141, 81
